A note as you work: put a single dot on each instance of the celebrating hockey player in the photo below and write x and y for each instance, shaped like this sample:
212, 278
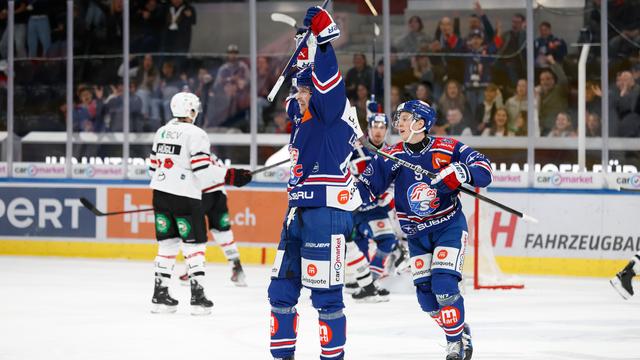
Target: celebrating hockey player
181, 167
370, 221
322, 193
214, 205
430, 214
622, 281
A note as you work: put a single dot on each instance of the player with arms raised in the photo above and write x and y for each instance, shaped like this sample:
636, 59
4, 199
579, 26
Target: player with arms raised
322, 193
180, 168
430, 214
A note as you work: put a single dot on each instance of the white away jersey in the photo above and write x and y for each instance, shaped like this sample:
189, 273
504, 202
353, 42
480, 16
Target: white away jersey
180, 160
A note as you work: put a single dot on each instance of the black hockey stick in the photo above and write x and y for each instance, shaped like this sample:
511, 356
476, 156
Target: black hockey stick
91, 207
430, 175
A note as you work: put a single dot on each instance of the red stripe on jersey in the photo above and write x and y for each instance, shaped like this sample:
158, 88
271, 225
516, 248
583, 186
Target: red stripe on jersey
328, 85
195, 254
212, 187
200, 160
356, 261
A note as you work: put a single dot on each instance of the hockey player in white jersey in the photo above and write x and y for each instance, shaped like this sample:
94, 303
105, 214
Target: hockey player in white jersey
622, 281
180, 166
214, 205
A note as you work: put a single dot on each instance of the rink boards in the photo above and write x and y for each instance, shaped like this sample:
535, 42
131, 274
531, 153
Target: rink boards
584, 232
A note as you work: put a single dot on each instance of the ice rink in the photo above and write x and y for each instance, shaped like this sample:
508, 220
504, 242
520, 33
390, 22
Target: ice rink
69, 309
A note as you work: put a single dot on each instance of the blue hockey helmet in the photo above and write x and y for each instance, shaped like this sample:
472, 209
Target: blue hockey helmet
419, 110
303, 78
378, 119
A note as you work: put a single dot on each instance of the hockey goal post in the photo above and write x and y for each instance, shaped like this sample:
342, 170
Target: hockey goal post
481, 265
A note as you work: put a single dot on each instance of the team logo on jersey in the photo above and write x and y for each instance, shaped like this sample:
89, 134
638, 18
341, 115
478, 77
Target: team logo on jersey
326, 334
422, 199
184, 228
162, 223
439, 160
274, 324
167, 163
296, 169
368, 171
312, 270
442, 254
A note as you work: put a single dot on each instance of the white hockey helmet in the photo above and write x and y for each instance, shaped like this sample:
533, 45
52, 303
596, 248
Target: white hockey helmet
185, 105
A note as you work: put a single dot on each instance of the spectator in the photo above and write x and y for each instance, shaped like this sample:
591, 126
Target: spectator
486, 110
423, 93
266, 79
225, 110
563, 126
146, 75
396, 97
19, 29
593, 125
456, 123
499, 124
414, 39
113, 110
362, 96
453, 98
89, 106
203, 88
170, 84
547, 44
552, 94
115, 28
477, 68
281, 123
511, 45
624, 45
449, 45
359, 74
422, 68
517, 103
180, 17
479, 21
232, 68
593, 98
150, 20
38, 26
625, 105
520, 124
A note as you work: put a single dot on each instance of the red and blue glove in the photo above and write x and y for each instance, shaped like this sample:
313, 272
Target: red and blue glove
321, 24
451, 177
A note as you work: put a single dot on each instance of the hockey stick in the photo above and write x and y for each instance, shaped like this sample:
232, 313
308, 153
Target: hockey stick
284, 18
430, 175
91, 207
292, 60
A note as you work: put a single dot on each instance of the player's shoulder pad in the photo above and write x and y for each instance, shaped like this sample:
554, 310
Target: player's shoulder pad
444, 144
393, 149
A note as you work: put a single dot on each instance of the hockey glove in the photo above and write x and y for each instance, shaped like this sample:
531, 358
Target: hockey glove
237, 177
450, 177
321, 24
358, 165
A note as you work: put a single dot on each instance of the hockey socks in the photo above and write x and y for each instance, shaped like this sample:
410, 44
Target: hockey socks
357, 263
227, 244
284, 330
194, 255
377, 264
333, 335
166, 259
450, 317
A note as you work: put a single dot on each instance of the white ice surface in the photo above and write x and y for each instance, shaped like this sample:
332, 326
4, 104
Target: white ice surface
53, 308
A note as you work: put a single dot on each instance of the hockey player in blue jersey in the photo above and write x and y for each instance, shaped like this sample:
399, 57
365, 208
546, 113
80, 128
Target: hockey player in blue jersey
322, 193
370, 221
430, 214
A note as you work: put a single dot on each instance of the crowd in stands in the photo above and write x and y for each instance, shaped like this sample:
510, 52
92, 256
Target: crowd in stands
476, 81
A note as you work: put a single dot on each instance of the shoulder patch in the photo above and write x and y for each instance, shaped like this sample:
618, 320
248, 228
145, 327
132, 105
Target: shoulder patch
442, 143
394, 149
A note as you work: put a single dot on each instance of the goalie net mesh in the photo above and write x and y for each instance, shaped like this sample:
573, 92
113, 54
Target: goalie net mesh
481, 268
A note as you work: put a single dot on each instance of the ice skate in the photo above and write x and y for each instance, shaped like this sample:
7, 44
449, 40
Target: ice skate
237, 274
351, 287
162, 301
383, 293
455, 350
466, 342
200, 305
622, 281
368, 294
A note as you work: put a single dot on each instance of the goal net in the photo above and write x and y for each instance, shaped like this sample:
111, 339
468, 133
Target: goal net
481, 269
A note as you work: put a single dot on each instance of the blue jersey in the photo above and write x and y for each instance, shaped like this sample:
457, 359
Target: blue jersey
420, 208
322, 140
374, 204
